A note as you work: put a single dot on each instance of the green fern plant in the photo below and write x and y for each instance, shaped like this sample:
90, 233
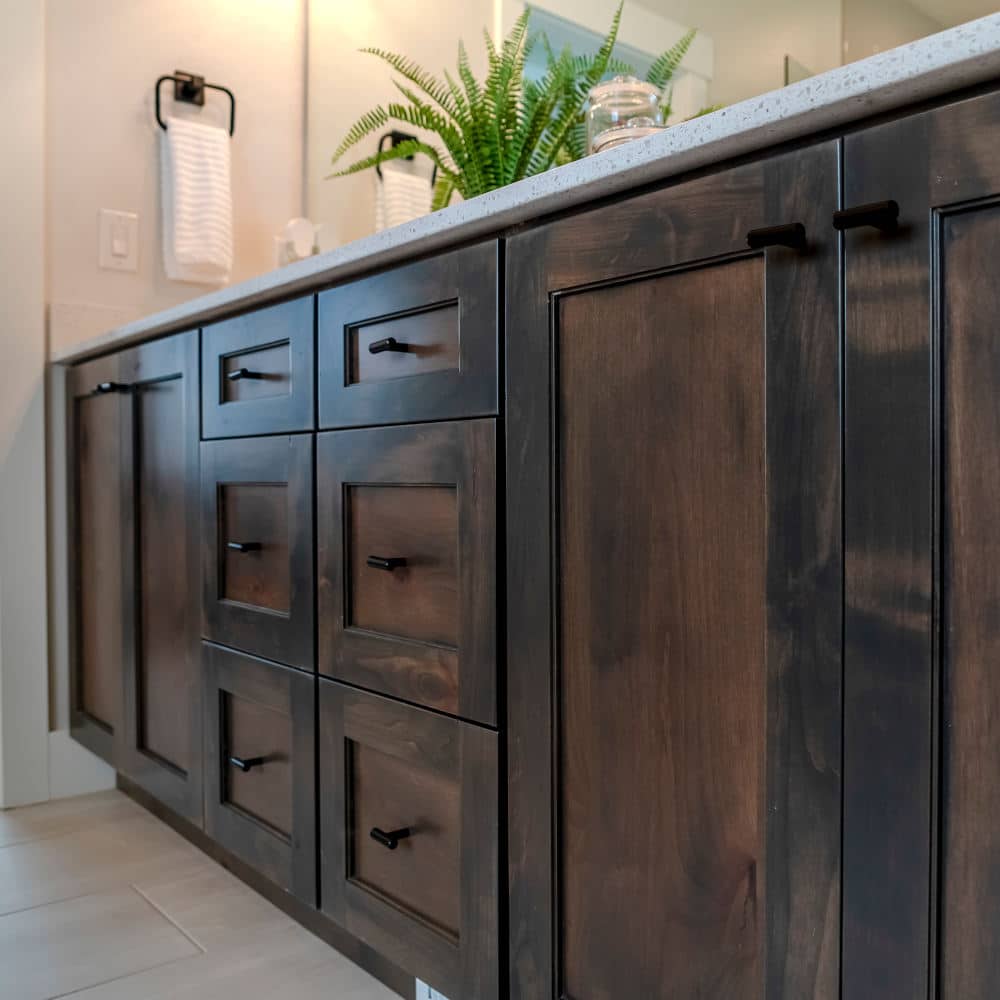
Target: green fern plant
493, 132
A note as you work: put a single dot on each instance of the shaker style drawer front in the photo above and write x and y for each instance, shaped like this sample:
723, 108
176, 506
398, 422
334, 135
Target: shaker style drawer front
258, 372
409, 821
415, 343
407, 563
260, 796
258, 546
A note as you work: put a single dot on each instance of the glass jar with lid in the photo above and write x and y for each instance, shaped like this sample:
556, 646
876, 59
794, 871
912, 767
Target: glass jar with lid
620, 109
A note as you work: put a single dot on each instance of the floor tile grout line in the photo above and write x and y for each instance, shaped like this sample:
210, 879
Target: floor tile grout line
166, 916
126, 975
55, 902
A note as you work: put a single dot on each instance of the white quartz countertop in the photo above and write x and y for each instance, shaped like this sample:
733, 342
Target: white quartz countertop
930, 67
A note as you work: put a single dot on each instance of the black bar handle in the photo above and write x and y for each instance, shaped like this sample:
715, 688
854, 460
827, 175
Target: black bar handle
387, 563
243, 546
246, 764
387, 344
242, 373
881, 215
792, 235
392, 838
102, 388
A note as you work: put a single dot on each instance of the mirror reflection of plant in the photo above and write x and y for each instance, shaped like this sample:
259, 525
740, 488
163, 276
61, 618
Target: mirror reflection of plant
493, 132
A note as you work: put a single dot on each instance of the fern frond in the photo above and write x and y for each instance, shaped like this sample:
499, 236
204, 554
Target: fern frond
444, 188
408, 148
665, 65
417, 75
371, 122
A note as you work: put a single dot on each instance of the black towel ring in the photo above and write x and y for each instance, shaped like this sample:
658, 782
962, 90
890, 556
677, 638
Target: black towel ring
395, 137
190, 89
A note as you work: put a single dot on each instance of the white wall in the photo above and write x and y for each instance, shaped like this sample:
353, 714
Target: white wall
23, 649
345, 83
752, 39
102, 59
875, 27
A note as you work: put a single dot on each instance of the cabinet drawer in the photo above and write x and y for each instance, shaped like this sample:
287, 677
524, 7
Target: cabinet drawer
415, 343
258, 372
260, 744
258, 546
409, 852
407, 557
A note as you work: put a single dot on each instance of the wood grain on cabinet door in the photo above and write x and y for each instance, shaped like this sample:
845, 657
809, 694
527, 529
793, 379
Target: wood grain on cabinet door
970, 959
674, 594
94, 508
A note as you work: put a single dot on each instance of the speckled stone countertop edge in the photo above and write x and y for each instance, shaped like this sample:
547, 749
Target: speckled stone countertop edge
930, 67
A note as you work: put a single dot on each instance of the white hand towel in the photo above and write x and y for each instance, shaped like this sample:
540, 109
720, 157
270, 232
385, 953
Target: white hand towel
400, 196
197, 202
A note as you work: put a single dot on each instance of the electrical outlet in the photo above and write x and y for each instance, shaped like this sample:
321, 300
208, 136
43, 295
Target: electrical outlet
425, 992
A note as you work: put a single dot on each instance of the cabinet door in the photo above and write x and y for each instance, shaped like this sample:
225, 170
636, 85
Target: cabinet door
160, 746
674, 594
95, 476
922, 692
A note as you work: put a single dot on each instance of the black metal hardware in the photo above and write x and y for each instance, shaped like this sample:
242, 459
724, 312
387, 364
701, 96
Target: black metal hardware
792, 235
381, 562
247, 763
104, 387
243, 546
881, 215
395, 137
242, 373
190, 88
387, 344
392, 838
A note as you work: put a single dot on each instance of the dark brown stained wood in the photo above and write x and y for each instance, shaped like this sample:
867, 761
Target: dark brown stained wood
253, 730
420, 523
272, 367
426, 632
161, 739
930, 163
970, 908
673, 639
267, 816
95, 471
663, 682
259, 492
431, 905
260, 578
277, 345
445, 310
432, 339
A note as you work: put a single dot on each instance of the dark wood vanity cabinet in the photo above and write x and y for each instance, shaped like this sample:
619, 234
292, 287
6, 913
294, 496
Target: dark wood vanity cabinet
673, 594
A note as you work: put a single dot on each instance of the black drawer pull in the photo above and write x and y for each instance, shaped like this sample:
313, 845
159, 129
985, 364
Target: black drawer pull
247, 763
102, 388
392, 838
387, 344
242, 373
389, 564
243, 546
792, 235
881, 215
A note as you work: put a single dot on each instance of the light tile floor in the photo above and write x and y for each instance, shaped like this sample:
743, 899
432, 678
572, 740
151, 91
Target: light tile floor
99, 900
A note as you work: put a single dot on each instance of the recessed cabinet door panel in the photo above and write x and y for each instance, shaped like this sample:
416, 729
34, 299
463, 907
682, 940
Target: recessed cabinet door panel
674, 575
94, 412
257, 526
921, 745
162, 734
970, 959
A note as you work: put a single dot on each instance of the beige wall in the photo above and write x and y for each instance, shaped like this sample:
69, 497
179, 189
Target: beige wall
23, 647
102, 59
874, 27
344, 84
752, 39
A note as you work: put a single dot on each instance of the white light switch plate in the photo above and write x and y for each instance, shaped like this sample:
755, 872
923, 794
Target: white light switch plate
118, 240
425, 992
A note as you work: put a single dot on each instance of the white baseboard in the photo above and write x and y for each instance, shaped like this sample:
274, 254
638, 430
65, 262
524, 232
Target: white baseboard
73, 769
